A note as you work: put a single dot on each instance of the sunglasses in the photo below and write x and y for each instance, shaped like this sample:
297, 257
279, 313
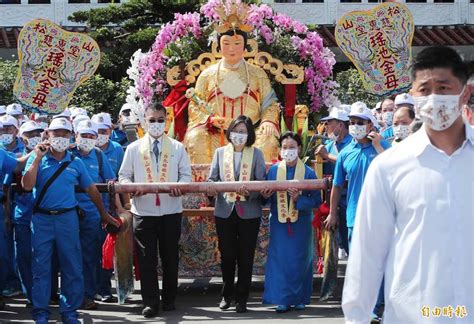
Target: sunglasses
153, 120
360, 123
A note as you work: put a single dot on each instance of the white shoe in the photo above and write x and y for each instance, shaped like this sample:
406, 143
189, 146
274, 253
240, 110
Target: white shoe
342, 255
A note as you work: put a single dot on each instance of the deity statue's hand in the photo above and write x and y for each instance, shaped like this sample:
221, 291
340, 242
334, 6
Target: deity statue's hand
268, 129
217, 121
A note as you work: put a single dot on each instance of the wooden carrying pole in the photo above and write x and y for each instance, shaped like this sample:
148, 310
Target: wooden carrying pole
195, 187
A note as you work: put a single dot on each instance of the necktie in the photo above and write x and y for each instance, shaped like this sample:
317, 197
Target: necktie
156, 151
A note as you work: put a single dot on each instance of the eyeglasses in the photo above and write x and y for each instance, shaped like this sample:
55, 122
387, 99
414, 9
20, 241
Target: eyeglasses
153, 120
126, 113
360, 123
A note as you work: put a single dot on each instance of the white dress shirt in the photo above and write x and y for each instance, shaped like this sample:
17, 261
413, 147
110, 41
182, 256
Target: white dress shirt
132, 170
415, 224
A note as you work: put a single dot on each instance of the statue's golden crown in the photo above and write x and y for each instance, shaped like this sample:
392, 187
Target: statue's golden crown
233, 18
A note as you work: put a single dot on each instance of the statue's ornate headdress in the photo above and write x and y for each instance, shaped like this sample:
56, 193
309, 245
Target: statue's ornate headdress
232, 18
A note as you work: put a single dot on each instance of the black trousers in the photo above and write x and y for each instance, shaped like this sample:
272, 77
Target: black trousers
237, 241
151, 233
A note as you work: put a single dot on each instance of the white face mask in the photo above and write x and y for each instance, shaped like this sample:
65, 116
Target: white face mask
438, 112
6, 139
387, 117
238, 139
126, 120
86, 144
156, 129
32, 142
335, 133
59, 144
401, 131
358, 131
289, 155
102, 140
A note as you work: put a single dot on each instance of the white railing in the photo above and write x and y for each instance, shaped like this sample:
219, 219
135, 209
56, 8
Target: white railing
425, 14
16, 15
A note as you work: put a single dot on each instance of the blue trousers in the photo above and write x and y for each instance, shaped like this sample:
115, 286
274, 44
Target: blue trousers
90, 245
10, 275
3, 255
342, 235
61, 232
22, 237
104, 286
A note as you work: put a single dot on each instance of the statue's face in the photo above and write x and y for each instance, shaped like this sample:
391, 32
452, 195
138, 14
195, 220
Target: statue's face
232, 48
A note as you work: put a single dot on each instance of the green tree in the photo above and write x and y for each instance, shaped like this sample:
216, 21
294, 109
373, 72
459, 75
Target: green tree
101, 95
122, 29
8, 71
352, 89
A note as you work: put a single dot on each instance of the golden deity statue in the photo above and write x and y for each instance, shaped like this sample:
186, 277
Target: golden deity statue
227, 89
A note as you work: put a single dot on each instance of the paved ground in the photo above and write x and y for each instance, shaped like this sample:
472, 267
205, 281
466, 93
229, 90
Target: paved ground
196, 303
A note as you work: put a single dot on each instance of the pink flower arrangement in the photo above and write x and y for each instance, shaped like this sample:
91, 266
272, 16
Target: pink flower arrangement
318, 61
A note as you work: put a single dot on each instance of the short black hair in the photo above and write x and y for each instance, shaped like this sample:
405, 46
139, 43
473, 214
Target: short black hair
155, 106
411, 112
232, 33
248, 124
289, 134
440, 57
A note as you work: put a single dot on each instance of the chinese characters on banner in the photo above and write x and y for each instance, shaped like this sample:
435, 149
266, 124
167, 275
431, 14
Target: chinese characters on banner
378, 42
53, 63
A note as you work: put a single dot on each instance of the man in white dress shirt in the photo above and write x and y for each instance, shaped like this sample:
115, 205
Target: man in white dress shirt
415, 216
157, 217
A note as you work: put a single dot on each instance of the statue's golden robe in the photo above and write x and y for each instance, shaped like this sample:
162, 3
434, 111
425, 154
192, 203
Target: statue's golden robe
258, 102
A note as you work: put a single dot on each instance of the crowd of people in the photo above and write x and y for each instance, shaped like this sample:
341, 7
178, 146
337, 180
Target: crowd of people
403, 218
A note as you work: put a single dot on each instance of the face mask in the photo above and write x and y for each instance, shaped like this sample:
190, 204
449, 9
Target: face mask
401, 131
126, 120
156, 129
289, 155
6, 139
387, 117
438, 112
335, 134
32, 142
59, 144
102, 139
358, 131
238, 139
86, 144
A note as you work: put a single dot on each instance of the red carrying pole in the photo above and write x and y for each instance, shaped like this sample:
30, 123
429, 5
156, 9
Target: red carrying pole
194, 187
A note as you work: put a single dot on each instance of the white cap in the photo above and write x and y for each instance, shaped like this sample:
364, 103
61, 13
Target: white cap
78, 119
404, 99
14, 109
29, 126
360, 110
378, 105
8, 120
86, 127
39, 115
65, 114
78, 112
126, 106
3, 109
337, 113
103, 120
60, 123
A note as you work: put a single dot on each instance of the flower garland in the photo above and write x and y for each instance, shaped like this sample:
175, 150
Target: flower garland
286, 39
